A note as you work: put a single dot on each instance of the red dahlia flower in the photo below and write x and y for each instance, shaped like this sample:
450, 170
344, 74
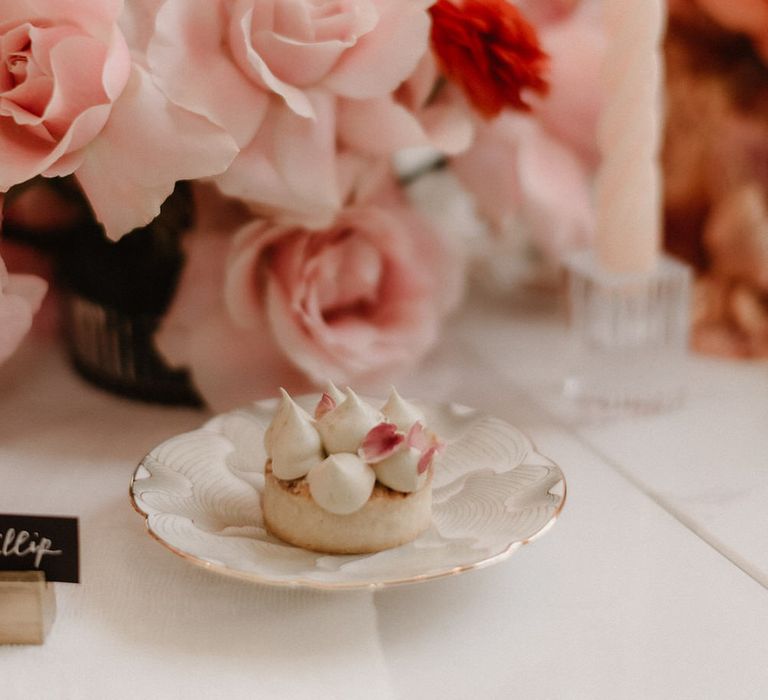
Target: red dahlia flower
490, 50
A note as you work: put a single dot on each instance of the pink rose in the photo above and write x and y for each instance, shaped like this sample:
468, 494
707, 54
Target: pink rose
59, 78
72, 101
248, 48
286, 64
271, 305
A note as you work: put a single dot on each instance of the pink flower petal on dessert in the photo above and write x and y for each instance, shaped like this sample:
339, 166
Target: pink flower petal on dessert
325, 405
418, 438
426, 459
381, 442
426, 442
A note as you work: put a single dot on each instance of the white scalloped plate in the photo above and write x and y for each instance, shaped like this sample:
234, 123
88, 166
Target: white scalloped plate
492, 492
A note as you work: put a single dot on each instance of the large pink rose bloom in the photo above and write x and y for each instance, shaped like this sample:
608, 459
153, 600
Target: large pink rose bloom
72, 101
277, 305
285, 64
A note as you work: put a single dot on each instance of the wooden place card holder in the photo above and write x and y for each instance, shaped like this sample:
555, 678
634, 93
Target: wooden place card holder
27, 607
35, 550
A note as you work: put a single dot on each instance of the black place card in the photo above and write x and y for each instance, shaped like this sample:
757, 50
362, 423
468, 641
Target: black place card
40, 543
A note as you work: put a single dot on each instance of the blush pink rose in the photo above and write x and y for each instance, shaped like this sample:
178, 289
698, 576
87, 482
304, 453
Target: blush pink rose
287, 65
72, 100
248, 48
58, 80
275, 305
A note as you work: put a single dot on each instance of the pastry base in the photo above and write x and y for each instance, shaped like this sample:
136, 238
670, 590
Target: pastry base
388, 519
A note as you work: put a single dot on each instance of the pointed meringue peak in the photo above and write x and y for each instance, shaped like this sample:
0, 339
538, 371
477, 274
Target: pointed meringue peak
353, 397
401, 412
354, 405
287, 403
278, 419
334, 392
344, 428
292, 441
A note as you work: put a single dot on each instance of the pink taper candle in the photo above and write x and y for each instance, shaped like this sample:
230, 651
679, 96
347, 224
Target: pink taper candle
629, 180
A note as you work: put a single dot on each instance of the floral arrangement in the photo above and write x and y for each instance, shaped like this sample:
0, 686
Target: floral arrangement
304, 260
716, 164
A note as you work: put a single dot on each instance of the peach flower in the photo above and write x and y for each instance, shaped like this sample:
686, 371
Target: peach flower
731, 300
73, 101
264, 305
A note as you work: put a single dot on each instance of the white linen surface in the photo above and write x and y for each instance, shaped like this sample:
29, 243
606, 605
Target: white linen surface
144, 623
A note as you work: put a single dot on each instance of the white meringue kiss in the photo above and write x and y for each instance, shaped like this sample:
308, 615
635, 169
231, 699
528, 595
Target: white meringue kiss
334, 392
401, 471
401, 412
344, 428
342, 483
292, 441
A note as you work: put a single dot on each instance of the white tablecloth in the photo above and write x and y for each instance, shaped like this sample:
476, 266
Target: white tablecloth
652, 585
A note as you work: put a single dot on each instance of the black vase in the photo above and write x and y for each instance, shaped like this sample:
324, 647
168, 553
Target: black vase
114, 296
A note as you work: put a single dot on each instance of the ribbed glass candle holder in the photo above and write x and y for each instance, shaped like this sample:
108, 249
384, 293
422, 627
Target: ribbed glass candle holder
629, 336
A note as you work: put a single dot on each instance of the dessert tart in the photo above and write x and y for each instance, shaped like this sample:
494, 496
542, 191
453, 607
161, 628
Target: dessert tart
352, 479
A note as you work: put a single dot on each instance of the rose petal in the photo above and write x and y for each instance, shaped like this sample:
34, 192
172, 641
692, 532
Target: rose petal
147, 145
381, 442
417, 437
325, 405
241, 47
386, 56
272, 173
426, 460
92, 15
187, 45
